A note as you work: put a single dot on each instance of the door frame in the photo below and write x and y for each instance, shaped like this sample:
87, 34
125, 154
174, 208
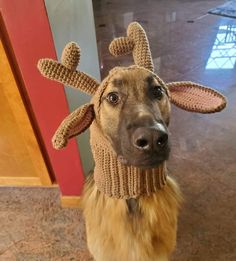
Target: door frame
18, 108
28, 37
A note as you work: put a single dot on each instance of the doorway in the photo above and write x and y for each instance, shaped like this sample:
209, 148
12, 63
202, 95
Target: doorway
21, 160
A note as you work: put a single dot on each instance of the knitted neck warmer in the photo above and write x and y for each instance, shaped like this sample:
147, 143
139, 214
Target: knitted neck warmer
117, 180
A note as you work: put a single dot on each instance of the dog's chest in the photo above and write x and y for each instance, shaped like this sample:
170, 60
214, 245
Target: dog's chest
134, 230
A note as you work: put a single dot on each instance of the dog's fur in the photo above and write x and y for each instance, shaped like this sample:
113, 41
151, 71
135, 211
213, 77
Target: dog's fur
114, 233
121, 230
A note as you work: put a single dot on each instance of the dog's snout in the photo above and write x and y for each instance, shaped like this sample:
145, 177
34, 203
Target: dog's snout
149, 139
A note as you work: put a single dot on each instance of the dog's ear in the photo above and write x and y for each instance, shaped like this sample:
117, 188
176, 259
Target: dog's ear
74, 124
195, 97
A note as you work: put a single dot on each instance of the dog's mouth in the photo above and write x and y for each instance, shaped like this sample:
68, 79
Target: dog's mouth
145, 161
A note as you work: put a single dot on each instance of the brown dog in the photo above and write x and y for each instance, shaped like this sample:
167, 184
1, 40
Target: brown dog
142, 229
130, 205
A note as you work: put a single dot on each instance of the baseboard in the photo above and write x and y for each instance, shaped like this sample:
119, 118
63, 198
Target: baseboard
70, 201
20, 181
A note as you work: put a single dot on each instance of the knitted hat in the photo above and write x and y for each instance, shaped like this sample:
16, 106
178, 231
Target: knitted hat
111, 176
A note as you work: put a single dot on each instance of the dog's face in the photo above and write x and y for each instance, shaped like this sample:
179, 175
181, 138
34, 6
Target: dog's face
134, 115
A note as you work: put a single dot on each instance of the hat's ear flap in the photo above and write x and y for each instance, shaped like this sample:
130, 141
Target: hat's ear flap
74, 124
195, 97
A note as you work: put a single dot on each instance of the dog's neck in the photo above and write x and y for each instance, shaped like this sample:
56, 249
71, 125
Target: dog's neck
117, 180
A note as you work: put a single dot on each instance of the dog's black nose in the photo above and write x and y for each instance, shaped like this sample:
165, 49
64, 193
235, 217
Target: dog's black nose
162, 139
149, 139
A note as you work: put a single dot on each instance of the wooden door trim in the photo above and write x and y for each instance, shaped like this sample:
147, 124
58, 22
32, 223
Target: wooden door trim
19, 140
20, 181
42, 180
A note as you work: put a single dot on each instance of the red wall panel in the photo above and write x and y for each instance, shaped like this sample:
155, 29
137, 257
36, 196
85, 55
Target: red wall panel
30, 37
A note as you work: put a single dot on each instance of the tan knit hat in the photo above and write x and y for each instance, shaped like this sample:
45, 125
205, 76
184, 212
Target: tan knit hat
111, 176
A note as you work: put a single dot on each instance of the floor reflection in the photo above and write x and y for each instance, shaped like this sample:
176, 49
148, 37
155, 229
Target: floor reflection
223, 54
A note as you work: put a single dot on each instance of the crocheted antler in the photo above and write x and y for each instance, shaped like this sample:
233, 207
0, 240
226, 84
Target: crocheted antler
135, 42
66, 73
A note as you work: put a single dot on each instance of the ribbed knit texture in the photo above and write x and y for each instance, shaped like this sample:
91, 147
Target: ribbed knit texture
118, 180
135, 42
66, 73
71, 56
74, 124
195, 97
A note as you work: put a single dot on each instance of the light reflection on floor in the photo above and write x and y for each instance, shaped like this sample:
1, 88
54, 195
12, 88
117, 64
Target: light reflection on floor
223, 54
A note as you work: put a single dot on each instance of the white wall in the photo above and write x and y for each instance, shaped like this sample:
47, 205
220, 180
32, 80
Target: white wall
73, 20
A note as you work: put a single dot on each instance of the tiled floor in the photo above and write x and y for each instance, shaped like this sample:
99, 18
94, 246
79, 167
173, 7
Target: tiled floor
186, 44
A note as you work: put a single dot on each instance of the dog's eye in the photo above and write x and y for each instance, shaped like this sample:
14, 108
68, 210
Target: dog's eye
157, 92
113, 97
